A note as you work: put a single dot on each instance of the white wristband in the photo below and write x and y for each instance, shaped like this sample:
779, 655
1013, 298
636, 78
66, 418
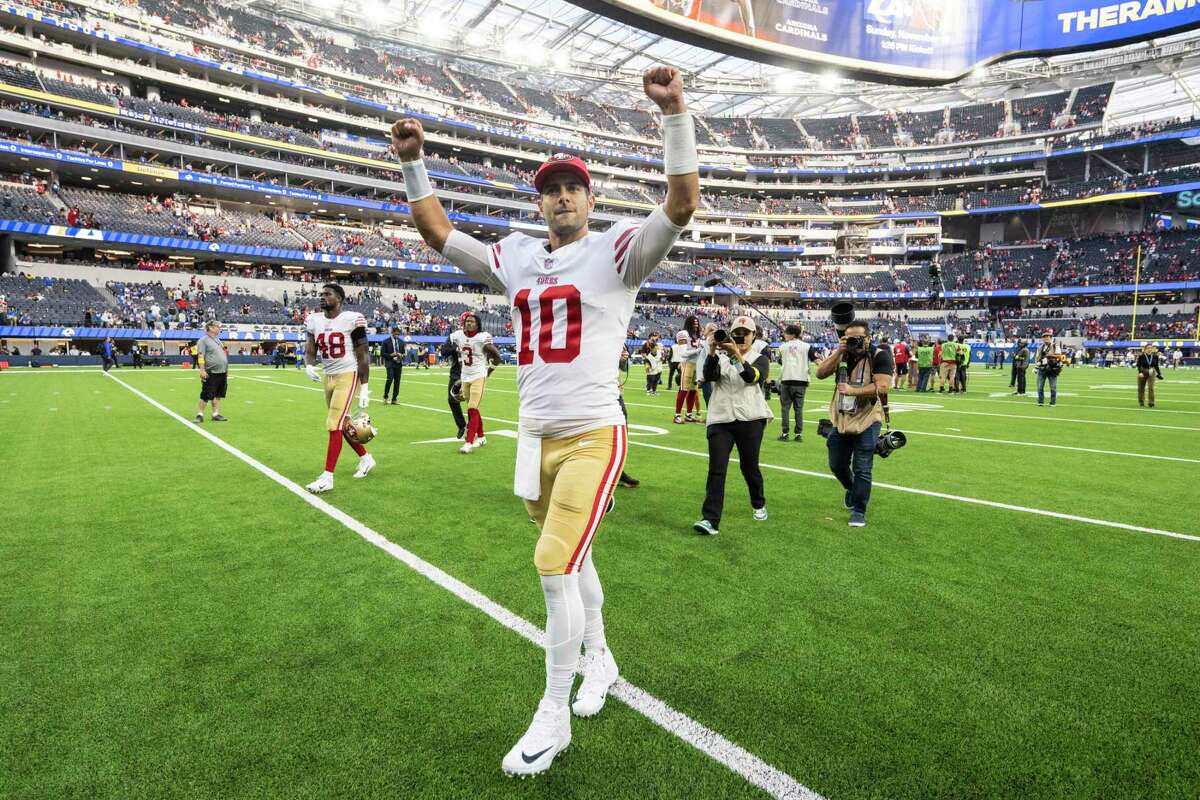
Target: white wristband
679, 144
416, 180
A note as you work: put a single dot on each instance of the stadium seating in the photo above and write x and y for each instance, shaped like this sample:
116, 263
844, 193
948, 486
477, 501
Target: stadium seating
922, 126
27, 203
878, 129
1091, 103
1037, 113
981, 121
834, 133
735, 131
47, 301
781, 133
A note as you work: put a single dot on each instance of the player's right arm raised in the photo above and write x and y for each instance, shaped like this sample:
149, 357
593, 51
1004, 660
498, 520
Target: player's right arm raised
466, 253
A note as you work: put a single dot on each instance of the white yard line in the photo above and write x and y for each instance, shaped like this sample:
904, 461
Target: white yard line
712, 744
826, 476
910, 431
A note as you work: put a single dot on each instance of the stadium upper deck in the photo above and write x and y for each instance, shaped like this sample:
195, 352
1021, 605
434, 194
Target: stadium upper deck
246, 109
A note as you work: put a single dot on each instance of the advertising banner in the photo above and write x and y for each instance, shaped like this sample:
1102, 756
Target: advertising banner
909, 41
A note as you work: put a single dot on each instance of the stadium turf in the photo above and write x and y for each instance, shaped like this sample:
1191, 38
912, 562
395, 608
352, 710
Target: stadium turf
176, 624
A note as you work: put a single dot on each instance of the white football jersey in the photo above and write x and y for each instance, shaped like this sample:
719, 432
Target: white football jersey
571, 311
470, 353
334, 347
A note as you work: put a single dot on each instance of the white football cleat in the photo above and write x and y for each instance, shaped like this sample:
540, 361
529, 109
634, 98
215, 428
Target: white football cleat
760, 514
548, 735
481, 441
324, 483
599, 674
365, 465
466, 448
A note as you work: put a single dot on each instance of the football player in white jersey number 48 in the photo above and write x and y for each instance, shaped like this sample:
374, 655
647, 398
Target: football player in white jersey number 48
572, 298
339, 338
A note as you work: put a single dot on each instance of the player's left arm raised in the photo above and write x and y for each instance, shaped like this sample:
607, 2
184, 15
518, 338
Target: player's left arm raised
640, 250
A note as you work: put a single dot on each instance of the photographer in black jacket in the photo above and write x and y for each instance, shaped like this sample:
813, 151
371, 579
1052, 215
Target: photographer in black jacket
1020, 363
738, 415
864, 375
1147, 368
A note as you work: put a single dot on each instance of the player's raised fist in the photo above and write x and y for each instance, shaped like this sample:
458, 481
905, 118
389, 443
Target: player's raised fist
664, 85
407, 139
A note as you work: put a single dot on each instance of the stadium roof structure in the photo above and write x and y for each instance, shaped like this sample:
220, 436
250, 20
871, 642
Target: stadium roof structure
567, 48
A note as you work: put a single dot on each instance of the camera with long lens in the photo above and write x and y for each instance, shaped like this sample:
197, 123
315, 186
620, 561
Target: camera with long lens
889, 442
842, 316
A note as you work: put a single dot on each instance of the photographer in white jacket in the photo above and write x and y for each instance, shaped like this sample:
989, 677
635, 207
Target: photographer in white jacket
737, 417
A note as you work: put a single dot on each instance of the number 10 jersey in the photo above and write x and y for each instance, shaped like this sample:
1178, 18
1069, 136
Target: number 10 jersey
571, 310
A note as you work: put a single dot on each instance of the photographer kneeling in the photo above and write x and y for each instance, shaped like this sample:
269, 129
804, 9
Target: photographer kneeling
864, 375
737, 416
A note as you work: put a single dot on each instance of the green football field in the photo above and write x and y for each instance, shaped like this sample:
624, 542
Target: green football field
1021, 618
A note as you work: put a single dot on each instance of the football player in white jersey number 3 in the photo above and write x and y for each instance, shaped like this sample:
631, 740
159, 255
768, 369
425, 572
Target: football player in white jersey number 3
340, 339
572, 298
477, 356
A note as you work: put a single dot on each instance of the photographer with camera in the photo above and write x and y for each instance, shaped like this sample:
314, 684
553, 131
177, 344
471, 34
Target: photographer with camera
1020, 363
1049, 365
738, 414
1147, 367
864, 374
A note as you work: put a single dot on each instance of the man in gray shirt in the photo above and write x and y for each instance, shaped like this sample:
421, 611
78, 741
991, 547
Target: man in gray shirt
214, 371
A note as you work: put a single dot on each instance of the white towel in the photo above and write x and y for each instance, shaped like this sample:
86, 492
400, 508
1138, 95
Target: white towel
527, 477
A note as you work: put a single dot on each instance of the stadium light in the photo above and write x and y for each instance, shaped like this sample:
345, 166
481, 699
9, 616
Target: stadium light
374, 11
475, 38
515, 50
434, 27
562, 60
830, 81
785, 82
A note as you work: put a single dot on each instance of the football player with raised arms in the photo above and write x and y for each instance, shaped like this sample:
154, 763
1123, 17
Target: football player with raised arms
572, 299
340, 339
477, 356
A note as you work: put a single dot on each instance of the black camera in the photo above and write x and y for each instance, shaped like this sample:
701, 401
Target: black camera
771, 387
889, 442
856, 342
721, 336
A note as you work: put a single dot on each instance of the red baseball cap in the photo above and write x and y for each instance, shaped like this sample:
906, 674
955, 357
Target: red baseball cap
562, 162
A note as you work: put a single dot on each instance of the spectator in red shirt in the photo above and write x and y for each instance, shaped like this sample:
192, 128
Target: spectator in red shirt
901, 356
